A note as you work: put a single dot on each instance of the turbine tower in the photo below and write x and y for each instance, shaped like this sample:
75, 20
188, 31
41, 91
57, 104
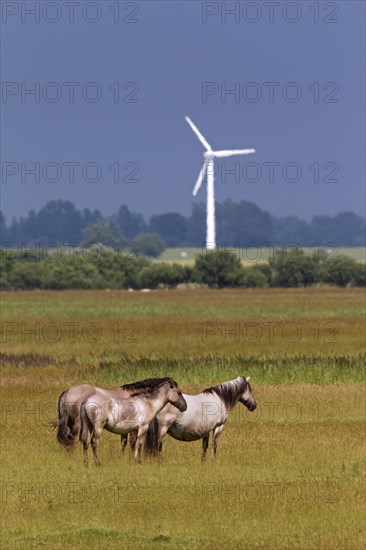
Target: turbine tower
209, 167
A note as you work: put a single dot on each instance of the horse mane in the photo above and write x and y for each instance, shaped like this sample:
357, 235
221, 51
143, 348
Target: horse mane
147, 386
228, 391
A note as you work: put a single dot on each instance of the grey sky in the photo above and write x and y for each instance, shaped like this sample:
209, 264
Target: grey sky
176, 58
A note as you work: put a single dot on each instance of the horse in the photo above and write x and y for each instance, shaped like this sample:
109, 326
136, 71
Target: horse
125, 415
206, 412
69, 405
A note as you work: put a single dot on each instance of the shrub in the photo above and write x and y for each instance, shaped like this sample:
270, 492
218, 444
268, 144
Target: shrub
7, 263
119, 270
265, 269
218, 269
104, 232
131, 269
293, 268
254, 278
163, 274
27, 276
359, 276
78, 273
341, 271
149, 244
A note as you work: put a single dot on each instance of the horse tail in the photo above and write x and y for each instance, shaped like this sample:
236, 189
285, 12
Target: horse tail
85, 425
63, 430
68, 424
152, 437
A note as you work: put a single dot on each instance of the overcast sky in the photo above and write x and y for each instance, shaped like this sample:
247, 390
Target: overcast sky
114, 80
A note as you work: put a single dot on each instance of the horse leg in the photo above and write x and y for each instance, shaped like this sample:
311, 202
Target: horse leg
123, 443
98, 429
133, 438
204, 446
75, 427
86, 442
74, 430
163, 430
216, 435
139, 442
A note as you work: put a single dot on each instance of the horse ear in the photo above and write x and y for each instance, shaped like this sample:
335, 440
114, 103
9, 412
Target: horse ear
247, 378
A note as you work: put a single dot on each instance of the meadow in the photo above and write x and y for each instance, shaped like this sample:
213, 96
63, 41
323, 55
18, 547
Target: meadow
289, 475
251, 254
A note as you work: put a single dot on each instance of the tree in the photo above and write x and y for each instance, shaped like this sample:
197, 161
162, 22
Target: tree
129, 224
7, 264
238, 224
218, 269
195, 234
344, 229
27, 276
243, 223
341, 271
14, 231
57, 221
292, 230
171, 227
3, 228
293, 268
148, 244
103, 232
89, 217
119, 270
254, 277
157, 274
79, 274
359, 276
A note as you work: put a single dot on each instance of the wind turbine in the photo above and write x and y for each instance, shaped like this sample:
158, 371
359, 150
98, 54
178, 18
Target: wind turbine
209, 166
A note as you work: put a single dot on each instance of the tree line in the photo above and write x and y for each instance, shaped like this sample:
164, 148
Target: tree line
104, 268
240, 223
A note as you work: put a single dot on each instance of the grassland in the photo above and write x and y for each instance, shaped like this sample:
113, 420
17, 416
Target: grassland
250, 256
289, 475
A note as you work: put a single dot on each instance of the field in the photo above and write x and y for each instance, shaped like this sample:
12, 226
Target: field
289, 475
251, 255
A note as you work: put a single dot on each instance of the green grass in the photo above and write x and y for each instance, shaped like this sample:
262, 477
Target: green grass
250, 256
187, 304
289, 475
224, 323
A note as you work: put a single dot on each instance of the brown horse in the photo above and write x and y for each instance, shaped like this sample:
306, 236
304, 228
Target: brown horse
129, 414
70, 401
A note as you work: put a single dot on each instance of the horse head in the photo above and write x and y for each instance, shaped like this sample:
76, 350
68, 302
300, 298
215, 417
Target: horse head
247, 397
175, 396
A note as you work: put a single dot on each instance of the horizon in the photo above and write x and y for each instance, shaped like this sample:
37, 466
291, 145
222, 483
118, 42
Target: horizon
201, 203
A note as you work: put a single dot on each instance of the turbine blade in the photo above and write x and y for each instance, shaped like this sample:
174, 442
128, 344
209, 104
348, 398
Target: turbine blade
200, 178
230, 153
198, 134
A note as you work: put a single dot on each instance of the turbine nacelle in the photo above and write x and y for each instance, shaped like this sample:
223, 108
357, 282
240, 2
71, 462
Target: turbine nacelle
209, 157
